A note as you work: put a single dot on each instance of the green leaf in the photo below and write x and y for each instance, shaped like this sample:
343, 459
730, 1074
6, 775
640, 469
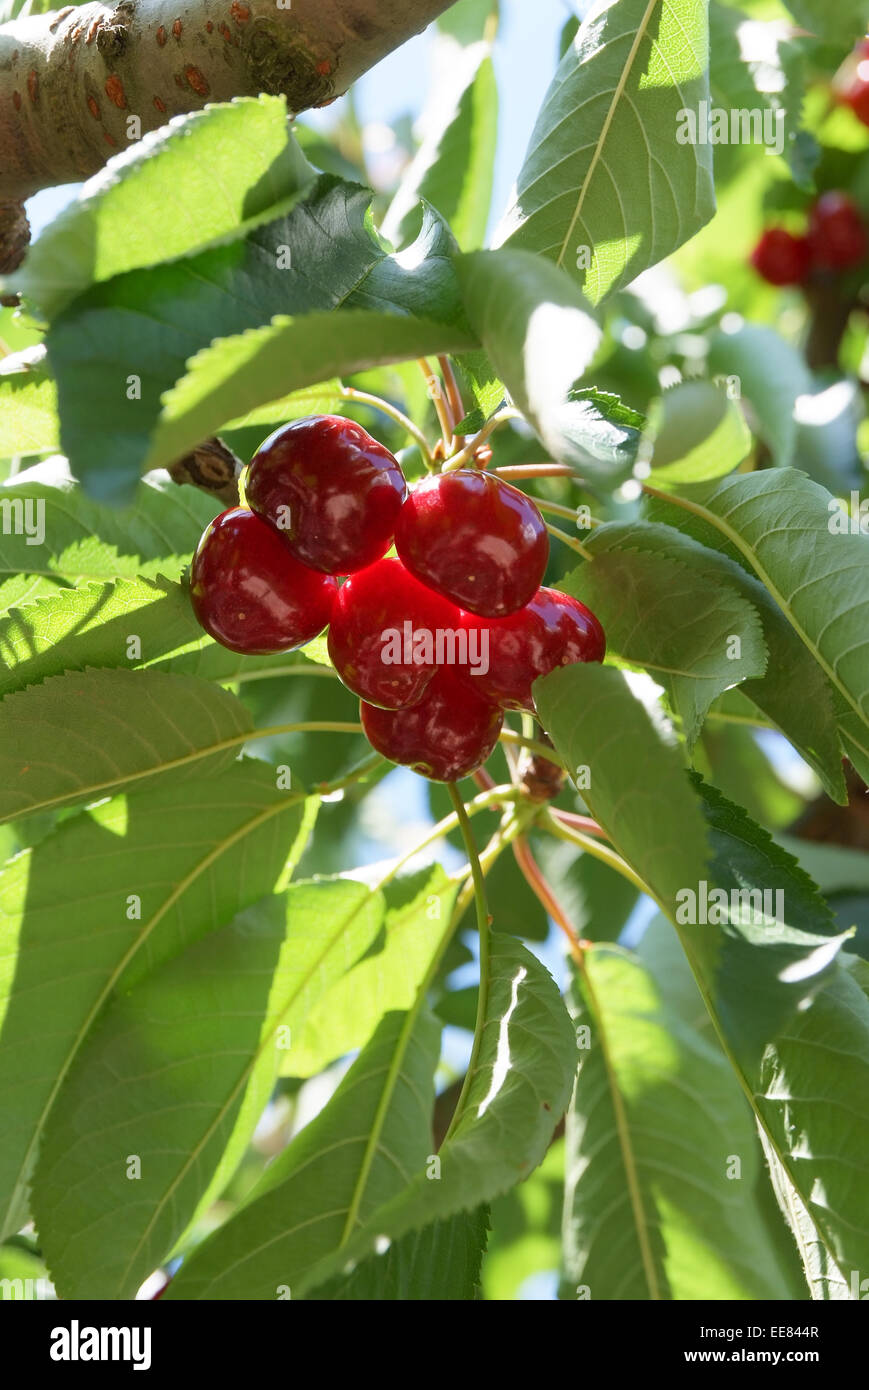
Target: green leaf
766, 970
239, 373
525, 1239
811, 1101
321, 399
608, 187
386, 980
771, 374
454, 166
81, 735
794, 693
757, 933
439, 1264
165, 1074
541, 338
695, 432
104, 899
842, 24
834, 868
519, 1087
652, 1210
598, 901
468, 20
54, 535
693, 632
821, 585
634, 782
368, 1143
606, 409
28, 412
120, 347
773, 84
22, 1275
235, 161
211, 662
92, 626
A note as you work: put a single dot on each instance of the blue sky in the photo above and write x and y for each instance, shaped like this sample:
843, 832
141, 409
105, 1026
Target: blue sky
525, 58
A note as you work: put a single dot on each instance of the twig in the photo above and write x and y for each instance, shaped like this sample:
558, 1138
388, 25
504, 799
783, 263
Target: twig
441, 405
213, 468
466, 455
536, 881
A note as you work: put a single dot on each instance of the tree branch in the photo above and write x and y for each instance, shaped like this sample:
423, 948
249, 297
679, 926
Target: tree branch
14, 241
71, 80
213, 467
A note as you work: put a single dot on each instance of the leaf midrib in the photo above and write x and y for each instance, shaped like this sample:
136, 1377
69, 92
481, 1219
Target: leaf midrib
193, 874
623, 1132
270, 1025
618, 91
722, 525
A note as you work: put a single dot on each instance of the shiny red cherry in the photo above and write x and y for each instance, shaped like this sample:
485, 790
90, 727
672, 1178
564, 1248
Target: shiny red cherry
250, 594
331, 490
851, 83
475, 539
552, 630
445, 737
781, 257
837, 235
385, 634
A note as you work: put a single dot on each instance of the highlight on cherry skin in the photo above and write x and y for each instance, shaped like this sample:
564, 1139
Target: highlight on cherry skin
248, 591
475, 539
552, 630
371, 606
332, 491
446, 736
433, 677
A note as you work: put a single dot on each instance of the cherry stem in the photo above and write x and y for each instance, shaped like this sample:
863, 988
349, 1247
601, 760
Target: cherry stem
441, 405
350, 393
536, 470
557, 508
454, 395
536, 881
584, 824
317, 726
543, 750
484, 922
569, 541
293, 668
596, 850
466, 455
358, 774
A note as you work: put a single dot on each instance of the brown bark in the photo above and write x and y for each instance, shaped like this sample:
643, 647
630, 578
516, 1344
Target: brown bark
14, 241
71, 80
212, 467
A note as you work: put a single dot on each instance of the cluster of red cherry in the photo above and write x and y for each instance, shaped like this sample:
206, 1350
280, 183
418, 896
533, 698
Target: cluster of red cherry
438, 641
835, 240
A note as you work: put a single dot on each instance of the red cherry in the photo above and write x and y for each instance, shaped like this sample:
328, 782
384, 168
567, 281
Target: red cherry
332, 491
782, 258
552, 630
249, 593
475, 539
448, 735
851, 83
382, 615
837, 236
